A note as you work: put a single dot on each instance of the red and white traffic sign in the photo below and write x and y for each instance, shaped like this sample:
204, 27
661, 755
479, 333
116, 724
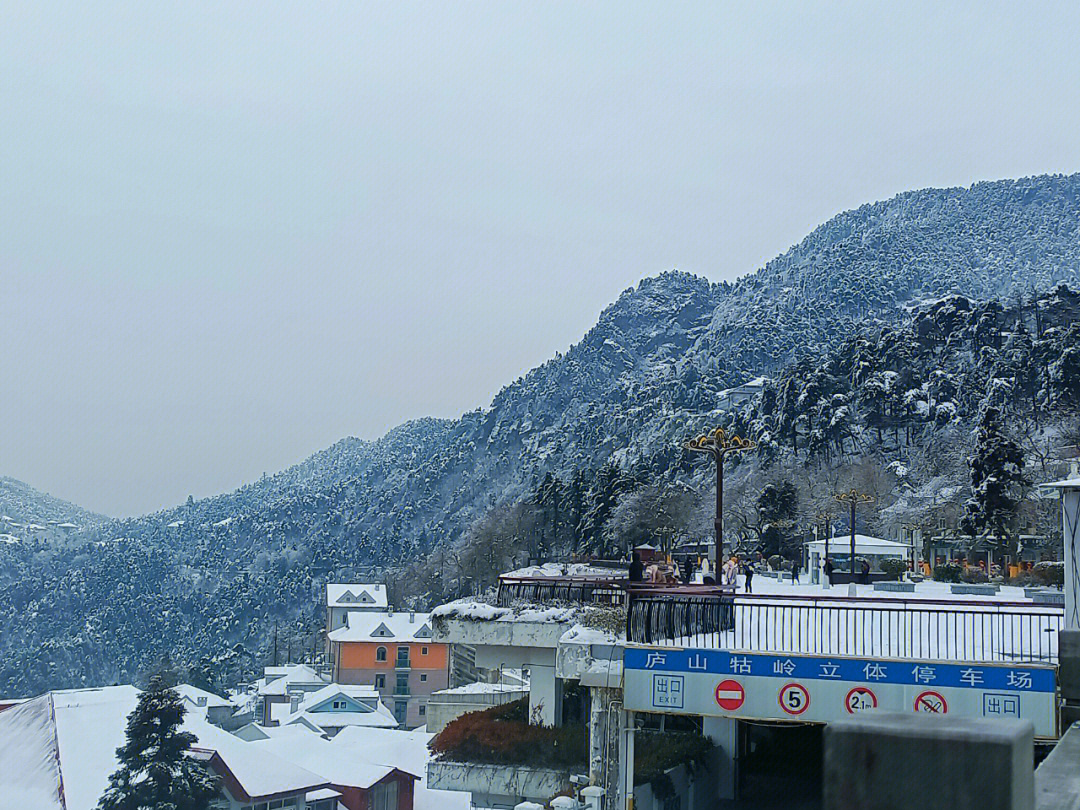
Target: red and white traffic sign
793, 698
860, 699
931, 702
730, 695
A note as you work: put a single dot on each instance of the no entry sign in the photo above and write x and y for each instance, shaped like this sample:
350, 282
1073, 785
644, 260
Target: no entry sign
730, 695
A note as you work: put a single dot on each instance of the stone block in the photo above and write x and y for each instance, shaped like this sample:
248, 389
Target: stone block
975, 589
883, 761
898, 587
1049, 598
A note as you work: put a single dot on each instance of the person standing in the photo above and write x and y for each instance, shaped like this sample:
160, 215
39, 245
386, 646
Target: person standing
795, 566
864, 572
828, 571
748, 573
730, 572
637, 568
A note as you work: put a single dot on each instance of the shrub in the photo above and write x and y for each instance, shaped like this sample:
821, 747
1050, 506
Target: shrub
973, 575
1049, 573
947, 572
894, 568
657, 752
502, 735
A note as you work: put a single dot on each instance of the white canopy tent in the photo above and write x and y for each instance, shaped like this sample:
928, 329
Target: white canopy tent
874, 549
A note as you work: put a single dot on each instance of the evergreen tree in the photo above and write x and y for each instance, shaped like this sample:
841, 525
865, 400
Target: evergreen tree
997, 477
155, 772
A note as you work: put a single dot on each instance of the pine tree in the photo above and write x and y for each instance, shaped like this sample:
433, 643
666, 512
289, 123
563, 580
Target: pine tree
997, 476
155, 772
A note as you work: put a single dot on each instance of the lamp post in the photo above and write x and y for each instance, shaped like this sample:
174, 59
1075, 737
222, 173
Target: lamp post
853, 497
825, 519
718, 444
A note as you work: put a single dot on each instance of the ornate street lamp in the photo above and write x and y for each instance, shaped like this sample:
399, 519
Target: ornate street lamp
853, 497
718, 444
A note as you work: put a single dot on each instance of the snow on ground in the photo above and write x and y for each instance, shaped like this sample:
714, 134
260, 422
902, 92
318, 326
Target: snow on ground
567, 570
474, 610
408, 750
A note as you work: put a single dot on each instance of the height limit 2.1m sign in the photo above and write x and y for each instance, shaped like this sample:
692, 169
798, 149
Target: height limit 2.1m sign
720, 683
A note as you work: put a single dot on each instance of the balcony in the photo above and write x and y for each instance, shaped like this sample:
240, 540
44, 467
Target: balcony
402, 663
401, 690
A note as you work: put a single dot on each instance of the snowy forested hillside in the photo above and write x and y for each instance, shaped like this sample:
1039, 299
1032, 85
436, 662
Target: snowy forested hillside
212, 577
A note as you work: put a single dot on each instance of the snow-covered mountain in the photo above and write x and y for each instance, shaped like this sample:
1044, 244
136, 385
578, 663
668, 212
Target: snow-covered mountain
200, 577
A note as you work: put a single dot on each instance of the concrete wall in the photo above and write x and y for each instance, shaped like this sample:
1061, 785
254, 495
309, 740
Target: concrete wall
497, 786
441, 709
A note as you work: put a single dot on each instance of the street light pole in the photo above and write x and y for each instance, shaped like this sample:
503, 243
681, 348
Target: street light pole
718, 444
826, 520
852, 498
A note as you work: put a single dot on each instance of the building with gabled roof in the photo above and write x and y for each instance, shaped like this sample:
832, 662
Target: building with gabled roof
363, 782
338, 706
343, 597
58, 750
393, 652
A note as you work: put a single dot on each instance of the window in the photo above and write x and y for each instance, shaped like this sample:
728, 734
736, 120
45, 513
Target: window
403, 656
380, 681
401, 687
401, 711
385, 796
423, 677
380, 654
423, 650
339, 704
423, 710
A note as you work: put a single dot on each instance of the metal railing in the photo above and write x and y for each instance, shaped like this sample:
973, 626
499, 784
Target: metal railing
546, 590
970, 630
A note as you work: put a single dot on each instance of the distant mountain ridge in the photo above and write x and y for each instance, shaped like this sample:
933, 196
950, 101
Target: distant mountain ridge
20, 503
203, 576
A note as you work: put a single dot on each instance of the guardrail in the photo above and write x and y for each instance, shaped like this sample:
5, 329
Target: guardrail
546, 590
970, 630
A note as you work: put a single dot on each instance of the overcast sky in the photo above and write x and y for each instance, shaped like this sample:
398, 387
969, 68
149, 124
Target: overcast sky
231, 234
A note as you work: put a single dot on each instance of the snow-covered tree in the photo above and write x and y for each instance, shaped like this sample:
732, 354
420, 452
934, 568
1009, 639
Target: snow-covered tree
155, 771
997, 480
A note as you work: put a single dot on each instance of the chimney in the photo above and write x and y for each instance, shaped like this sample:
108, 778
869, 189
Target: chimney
412, 617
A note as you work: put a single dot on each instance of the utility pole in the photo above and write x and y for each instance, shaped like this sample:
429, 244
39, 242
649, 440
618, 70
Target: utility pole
717, 444
851, 498
275, 644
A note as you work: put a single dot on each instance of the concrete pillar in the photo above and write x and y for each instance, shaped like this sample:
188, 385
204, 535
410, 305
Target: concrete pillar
604, 711
626, 760
545, 695
723, 732
883, 761
1070, 520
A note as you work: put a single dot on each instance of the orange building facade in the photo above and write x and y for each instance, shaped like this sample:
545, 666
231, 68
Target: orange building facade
392, 652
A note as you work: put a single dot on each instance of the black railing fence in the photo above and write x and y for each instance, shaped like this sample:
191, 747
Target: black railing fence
981, 630
547, 590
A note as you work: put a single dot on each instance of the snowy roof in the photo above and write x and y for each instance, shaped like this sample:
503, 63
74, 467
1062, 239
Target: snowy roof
383, 626
356, 595
355, 691
337, 764
863, 543
208, 699
409, 751
260, 773
1068, 483
480, 688
278, 679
